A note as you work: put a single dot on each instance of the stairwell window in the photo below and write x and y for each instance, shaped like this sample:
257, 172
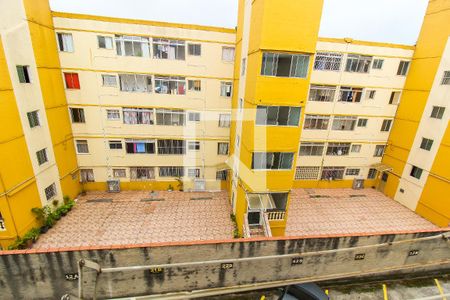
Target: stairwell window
113, 114
82, 146
195, 85
403, 68
272, 160
50, 191
322, 93
362, 122
169, 49
42, 156
138, 116
386, 126
328, 61
306, 173
311, 149
358, 63
350, 94
65, 42
140, 146
77, 115
356, 148
316, 122
170, 117
377, 64
115, 145
109, 80
132, 46
72, 81
332, 173
24, 74
379, 150
277, 115
446, 78
426, 144
344, 123
142, 173
437, 112
222, 148
193, 145
171, 171
225, 89
285, 65
87, 175
33, 118
170, 85
416, 172
194, 49
171, 147
224, 120
105, 42
228, 54
135, 83
338, 149
395, 98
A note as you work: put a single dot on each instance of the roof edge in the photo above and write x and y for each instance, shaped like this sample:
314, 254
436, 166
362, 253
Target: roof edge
365, 43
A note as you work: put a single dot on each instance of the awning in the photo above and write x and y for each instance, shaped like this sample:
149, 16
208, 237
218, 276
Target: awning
380, 167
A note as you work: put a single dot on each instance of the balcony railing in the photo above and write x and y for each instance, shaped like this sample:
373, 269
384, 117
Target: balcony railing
275, 215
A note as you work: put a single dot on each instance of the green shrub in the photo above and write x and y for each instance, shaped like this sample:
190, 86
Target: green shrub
66, 199
32, 235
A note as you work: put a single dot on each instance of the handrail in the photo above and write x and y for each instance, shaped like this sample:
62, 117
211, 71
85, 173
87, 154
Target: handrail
265, 224
276, 215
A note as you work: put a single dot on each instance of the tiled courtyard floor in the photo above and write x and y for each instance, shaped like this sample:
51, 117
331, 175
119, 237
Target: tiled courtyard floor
315, 212
130, 218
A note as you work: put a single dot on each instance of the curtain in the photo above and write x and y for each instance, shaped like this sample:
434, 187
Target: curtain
67, 42
172, 52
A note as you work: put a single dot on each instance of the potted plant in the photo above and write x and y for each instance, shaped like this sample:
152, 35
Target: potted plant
39, 213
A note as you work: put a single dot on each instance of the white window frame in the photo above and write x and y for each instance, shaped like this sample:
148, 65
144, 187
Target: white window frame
224, 120
193, 172
108, 41
169, 49
113, 114
223, 148
194, 49
403, 67
50, 191
322, 93
82, 143
119, 173
386, 125
193, 145
33, 119
328, 61
194, 116
109, 80
226, 89
143, 42
228, 54
316, 120
65, 42
311, 148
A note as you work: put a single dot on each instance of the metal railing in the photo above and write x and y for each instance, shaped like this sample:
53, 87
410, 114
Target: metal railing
275, 215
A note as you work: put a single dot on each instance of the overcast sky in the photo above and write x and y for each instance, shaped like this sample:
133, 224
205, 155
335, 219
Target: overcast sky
394, 21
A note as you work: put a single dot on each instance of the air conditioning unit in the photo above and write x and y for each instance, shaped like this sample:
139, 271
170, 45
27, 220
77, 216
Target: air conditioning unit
113, 185
199, 184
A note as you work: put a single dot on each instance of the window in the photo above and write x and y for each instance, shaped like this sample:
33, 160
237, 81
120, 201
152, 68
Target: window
352, 172
2, 223
222, 148
224, 120
193, 173
171, 147
356, 148
377, 64
87, 175
42, 156
386, 126
65, 42
446, 78
113, 114
228, 54
140, 146
316, 122
24, 74
33, 118
169, 49
142, 173
221, 175
135, 83
416, 172
109, 80
338, 149
132, 46
285, 65
437, 112
379, 150
277, 115
138, 116
193, 145
426, 144
350, 94
194, 49
358, 63
322, 93
72, 81
332, 173
372, 173
194, 85
50, 191
171, 171
82, 146
311, 149
395, 98
225, 89
328, 61
371, 94
403, 68
243, 67
119, 173
194, 116
170, 85
305, 173
362, 122
170, 117
77, 115
272, 160
105, 42
113, 145
344, 123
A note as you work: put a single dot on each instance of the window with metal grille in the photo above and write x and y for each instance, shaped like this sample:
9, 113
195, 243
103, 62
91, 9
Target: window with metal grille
332, 173
328, 61
228, 54
222, 148
109, 80
172, 147
87, 175
321, 93
171, 171
362, 122
386, 125
140, 146
316, 122
377, 64
338, 149
195, 49
352, 171
173, 85
305, 173
24, 74
446, 78
379, 150
135, 83
311, 149
65, 42
105, 42
358, 63
356, 148
277, 115
42, 156
426, 144
395, 98
350, 94
371, 94
137, 115
33, 118
113, 145
82, 146
403, 68
77, 115
142, 173
437, 112
119, 173
113, 114
72, 81
193, 172
169, 49
194, 116
195, 85
50, 191
221, 175
224, 120
272, 160
225, 89
193, 145
132, 46
285, 65
372, 174
170, 117
416, 172
344, 123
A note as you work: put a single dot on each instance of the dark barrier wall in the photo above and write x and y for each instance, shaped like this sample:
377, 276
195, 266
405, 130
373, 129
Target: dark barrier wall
38, 274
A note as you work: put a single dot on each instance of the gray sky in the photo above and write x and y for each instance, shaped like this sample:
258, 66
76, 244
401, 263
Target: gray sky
394, 21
